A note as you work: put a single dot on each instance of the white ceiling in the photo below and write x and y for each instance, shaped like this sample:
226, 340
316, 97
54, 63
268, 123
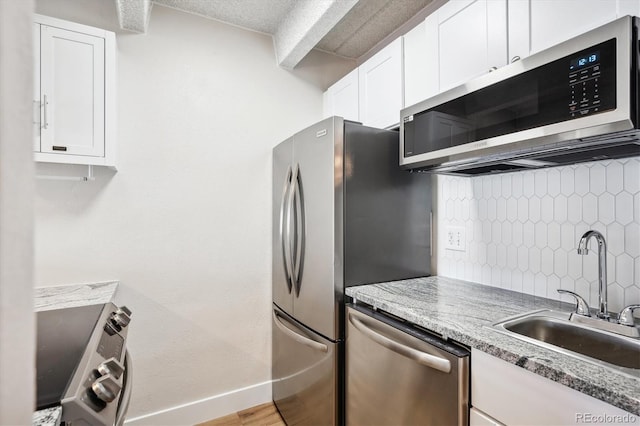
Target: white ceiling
349, 28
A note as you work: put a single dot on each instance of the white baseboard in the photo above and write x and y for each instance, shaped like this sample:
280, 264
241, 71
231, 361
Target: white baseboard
208, 408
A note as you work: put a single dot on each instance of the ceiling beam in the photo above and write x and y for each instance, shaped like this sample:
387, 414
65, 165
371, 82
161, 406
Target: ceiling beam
133, 15
304, 26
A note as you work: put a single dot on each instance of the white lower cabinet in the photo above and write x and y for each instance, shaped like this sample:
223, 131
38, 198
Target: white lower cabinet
507, 394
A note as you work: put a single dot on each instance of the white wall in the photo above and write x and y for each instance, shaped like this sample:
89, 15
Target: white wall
17, 325
185, 222
523, 228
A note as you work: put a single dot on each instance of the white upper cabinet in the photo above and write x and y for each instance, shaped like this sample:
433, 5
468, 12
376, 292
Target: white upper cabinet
461, 40
74, 93
342, 100
420, 65
380, 80
535, 25
472, 39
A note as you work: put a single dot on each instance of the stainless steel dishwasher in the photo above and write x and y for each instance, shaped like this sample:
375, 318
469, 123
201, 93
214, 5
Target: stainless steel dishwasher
397, 374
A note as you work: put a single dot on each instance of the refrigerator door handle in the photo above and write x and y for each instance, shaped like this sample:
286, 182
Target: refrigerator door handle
300, 229
298, 337
423, 358
291, 228
285, 230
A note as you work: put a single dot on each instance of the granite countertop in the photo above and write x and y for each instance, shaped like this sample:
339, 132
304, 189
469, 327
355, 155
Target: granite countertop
463, 311
68, 296
48, 417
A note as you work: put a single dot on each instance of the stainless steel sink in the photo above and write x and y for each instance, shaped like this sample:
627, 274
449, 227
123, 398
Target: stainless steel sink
554, 330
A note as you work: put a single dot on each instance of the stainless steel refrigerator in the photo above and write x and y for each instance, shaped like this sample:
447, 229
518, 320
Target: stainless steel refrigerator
344, 214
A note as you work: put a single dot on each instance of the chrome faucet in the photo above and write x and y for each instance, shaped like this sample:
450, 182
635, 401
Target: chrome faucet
602, 268
582, 307
626, 315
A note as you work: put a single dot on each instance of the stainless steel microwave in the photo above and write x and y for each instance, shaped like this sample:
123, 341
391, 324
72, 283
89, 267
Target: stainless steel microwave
574, 102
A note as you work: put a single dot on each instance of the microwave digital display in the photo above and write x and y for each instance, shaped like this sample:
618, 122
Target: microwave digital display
584, 61
584, 81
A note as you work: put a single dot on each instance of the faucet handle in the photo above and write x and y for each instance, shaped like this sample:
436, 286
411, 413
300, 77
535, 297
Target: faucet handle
626, 315
582, 307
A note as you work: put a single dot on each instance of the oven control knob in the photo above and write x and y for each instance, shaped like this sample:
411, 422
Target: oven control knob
111, 366
106, 388
121, 317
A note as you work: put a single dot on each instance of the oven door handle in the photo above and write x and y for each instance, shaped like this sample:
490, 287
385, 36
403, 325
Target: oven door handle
423, 358
125, 395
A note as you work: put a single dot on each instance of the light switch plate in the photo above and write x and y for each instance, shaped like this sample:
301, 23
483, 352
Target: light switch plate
455, 238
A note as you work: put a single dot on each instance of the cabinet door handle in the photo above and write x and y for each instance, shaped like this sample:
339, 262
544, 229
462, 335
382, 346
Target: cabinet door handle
492, 69
515, 59
45, 120
423, 358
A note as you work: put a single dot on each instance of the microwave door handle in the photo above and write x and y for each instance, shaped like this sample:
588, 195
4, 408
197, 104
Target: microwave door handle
300, 229
285, 230
423, 358
298, 337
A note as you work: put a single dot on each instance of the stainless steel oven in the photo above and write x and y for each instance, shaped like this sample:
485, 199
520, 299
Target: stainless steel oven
82, 363
400, 375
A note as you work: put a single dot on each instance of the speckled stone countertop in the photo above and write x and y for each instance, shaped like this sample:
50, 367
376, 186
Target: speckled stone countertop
48, 416
464, 311
68, 296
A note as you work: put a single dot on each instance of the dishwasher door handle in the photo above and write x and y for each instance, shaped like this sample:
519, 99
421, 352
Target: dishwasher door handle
423, 358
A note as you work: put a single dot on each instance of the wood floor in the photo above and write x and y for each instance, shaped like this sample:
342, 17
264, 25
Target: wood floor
261, 415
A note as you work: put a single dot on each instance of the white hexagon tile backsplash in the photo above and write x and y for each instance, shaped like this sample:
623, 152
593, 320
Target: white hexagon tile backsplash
522, 229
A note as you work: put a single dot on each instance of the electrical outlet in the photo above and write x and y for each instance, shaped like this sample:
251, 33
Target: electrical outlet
455, 238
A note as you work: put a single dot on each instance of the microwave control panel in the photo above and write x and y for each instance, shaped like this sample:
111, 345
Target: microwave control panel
588, 75
583, 79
